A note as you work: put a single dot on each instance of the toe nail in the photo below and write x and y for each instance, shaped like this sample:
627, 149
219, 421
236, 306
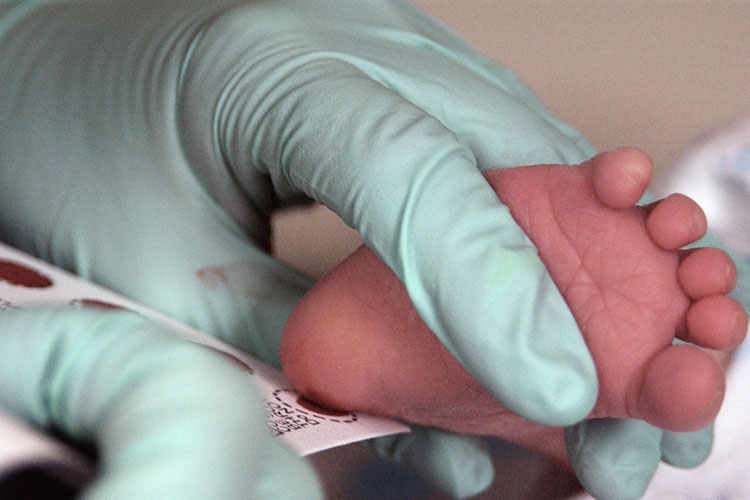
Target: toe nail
740, 325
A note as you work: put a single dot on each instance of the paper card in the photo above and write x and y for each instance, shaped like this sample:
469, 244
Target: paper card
307, 428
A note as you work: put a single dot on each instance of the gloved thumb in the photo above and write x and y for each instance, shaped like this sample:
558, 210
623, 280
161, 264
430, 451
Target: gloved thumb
614, 459
169, 419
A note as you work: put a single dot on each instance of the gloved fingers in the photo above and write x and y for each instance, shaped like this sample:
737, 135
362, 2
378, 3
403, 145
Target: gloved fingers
400, 177
129, 213
614, 459
460, 466
481, 102
502, 123
488, 109
485, 104
184, 259
687, 449
260, 118
282, 474
213, 279
170, 419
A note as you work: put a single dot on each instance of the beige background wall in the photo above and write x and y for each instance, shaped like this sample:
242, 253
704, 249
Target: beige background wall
646, 73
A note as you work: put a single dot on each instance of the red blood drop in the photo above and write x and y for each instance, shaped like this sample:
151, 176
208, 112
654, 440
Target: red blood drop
18, 274
321, 410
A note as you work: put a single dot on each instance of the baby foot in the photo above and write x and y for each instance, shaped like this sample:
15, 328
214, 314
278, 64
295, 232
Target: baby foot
355, 342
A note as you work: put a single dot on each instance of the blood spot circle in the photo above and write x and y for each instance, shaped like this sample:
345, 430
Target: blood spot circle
292, 399
19, 274
314, 407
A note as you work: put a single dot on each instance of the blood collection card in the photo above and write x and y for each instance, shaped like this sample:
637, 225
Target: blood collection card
306, 427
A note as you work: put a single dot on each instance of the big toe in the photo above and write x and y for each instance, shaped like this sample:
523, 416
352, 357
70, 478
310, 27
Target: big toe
621, 176
683, 388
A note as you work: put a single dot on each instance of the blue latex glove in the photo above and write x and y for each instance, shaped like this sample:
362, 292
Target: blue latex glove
595, 448
144, 145
170, 130
171, 420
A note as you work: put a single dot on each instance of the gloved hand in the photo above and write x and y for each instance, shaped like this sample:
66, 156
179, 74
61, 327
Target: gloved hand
171, 420
145, 144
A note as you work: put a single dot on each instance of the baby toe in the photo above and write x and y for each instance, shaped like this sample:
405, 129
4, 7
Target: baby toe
716, 322
707, 271
682, 391
621, 176
675, 221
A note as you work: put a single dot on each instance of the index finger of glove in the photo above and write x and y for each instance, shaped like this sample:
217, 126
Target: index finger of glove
460, 466
614, 459
414, 192
687, 449
170, 419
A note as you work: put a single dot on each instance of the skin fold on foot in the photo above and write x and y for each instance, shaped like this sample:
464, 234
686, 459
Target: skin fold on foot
355, 342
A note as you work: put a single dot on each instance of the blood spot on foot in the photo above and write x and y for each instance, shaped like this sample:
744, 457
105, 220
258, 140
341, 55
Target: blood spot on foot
254, 280
213, 276
314, 407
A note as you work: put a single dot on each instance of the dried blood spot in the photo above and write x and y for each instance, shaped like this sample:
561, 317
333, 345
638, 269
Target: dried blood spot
19, 274
320, 410
258, 281
213, 276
